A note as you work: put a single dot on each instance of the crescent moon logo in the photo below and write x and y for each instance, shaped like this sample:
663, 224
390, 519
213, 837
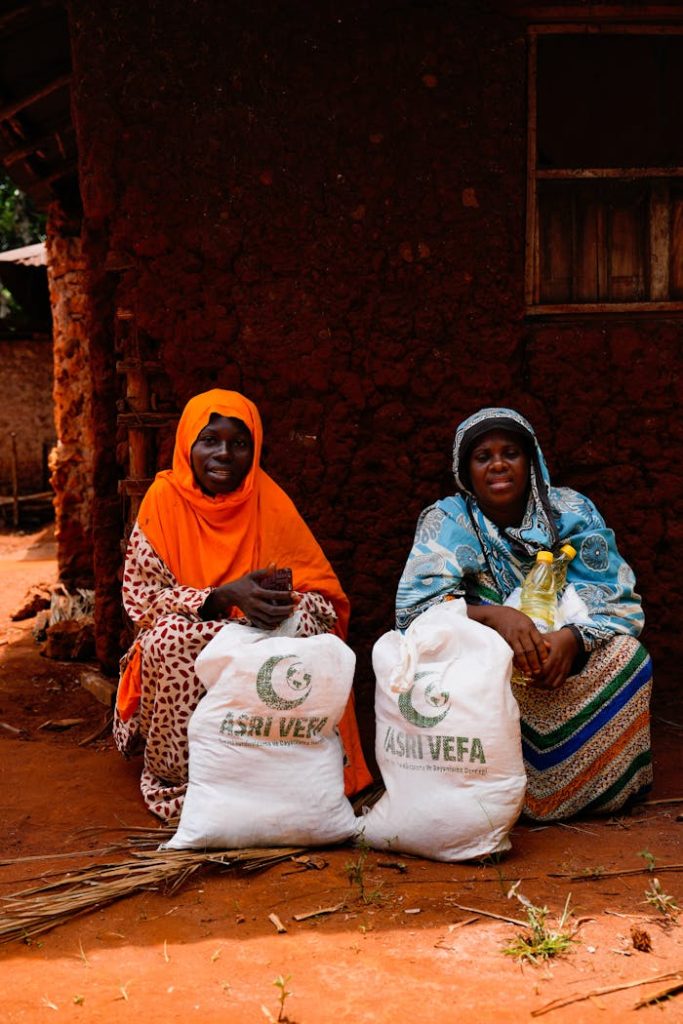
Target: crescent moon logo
297, 682
437, 700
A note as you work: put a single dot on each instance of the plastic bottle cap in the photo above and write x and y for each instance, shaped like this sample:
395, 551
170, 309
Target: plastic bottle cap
544, 556
569, 551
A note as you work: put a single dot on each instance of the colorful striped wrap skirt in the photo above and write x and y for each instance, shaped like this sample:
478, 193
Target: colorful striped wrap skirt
586, 745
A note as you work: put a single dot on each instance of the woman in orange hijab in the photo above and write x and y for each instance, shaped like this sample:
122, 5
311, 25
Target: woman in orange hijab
208, 533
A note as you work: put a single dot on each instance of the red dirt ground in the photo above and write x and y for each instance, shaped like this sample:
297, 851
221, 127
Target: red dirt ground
209, 952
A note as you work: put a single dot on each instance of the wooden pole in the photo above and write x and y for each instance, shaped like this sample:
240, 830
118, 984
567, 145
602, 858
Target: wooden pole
10, 109
15, 481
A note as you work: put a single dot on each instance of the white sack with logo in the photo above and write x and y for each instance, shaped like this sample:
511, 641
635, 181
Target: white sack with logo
266, 759
448, 739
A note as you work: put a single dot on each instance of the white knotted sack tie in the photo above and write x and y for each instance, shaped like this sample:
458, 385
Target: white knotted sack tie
414, 646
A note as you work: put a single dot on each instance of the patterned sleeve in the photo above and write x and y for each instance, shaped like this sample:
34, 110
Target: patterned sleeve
150, 589
444, 555
602, 578
313, 615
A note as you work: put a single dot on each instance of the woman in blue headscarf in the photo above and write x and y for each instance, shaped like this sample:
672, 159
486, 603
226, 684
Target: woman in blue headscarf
585, 712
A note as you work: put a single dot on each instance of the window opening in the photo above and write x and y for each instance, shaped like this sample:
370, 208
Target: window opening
605, 155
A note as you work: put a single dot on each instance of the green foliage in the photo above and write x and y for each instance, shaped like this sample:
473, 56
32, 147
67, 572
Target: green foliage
355, 870
542, 943
284, 994
20, 223
281, 984
661, 901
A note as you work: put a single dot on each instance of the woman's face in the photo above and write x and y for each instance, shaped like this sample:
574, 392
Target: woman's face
499, 473
222, 455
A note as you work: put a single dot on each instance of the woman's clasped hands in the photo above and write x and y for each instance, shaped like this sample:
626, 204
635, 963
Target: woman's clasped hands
264, 608
544, 658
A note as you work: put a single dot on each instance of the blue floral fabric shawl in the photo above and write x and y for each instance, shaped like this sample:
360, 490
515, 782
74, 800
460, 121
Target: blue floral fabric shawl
458, 551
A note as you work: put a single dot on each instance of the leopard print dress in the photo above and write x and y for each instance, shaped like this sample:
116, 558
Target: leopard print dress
169, 636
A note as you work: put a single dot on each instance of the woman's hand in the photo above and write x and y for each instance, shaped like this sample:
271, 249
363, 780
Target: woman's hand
562, 647
264, 608
517, 629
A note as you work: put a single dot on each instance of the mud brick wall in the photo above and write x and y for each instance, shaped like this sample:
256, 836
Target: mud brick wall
609, 414
26, 409
323, 205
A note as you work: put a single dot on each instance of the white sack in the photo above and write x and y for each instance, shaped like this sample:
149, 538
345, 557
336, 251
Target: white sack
448, 739
266, 760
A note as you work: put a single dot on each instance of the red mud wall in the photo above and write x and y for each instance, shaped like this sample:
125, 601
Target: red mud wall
26, 409
323, 205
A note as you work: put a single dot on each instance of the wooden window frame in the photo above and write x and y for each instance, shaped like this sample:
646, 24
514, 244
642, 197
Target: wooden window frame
658, 267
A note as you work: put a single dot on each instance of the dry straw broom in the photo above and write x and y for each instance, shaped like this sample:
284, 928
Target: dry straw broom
33, 911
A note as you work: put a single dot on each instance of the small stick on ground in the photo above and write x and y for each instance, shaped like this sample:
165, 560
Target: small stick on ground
279, 927
671, 990
489, 913
629, 917
318, 913
557, 1004
462, 924
6, 726
397, 865
451, 928
98, 732
594, 876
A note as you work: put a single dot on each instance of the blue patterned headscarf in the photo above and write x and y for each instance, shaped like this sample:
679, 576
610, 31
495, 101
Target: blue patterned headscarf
459, 552
537, 526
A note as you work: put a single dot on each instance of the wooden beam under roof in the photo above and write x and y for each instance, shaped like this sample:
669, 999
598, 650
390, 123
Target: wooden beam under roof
32, 146
592, 12
25, 10
10, 109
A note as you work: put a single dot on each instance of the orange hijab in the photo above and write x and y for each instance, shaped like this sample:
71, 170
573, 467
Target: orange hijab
206, 541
